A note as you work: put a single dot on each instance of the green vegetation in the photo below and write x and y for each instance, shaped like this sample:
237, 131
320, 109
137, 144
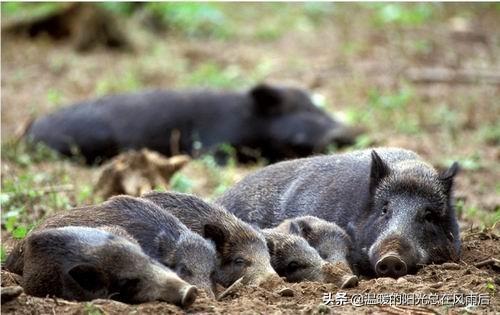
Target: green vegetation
3, 254
402, 14
24, 154
29, 192
181, 183
29, 9
486, 219
91, 309
127, 82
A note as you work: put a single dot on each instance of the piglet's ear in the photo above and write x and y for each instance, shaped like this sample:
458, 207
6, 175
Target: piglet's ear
268, 100
216, 234
89, 277
447, 176
294, 228
379, 170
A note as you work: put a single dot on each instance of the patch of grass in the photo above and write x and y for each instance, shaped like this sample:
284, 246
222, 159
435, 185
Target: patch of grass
29, 10
402, 14
91, 309
54, 97
484, 218
122, 8
28, 191
181, 183
3, 254
490, 286
389, 107
191, 19
363, 141
390, 101
25, 154
446, 118
220, 175
469, 163
490, 134
212, 75
128, 82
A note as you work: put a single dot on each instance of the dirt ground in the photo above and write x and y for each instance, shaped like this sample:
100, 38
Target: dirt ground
366, 74
451, 285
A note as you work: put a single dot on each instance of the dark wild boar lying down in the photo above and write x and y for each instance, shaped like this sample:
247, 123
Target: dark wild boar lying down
271, 122
82, 263
397, 208
242, 250
160, 235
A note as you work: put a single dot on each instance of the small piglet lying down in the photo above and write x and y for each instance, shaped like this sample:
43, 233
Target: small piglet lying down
160, 235
270, 122
254, 255
82, 263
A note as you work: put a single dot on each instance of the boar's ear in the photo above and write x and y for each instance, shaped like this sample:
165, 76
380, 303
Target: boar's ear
300, 228
378, 171
267, 100
216, 234
294, 228
89, 277
447, 176
270, 246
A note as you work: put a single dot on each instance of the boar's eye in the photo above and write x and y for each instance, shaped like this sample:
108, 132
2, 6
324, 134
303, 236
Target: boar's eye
293, 266
430, 216
239, 261
184, 271
385, 207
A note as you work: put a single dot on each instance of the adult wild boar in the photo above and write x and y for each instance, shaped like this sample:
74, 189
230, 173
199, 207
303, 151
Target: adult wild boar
241, 249
267, 121
82, 263
161, 236
398, 208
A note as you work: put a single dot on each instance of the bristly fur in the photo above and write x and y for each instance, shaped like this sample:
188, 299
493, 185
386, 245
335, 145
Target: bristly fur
178, 203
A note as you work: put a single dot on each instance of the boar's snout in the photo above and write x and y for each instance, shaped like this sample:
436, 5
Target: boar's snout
391, 265
262, 279
340, 274
179, 292
189, 294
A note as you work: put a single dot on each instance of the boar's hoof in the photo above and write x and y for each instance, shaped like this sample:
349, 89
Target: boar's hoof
349, 281
391, 266
189, 296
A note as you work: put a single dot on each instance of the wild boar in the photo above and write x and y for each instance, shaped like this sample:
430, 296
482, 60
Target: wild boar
396, 207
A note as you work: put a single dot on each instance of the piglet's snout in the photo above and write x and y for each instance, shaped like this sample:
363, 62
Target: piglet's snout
179, 292
189, 294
